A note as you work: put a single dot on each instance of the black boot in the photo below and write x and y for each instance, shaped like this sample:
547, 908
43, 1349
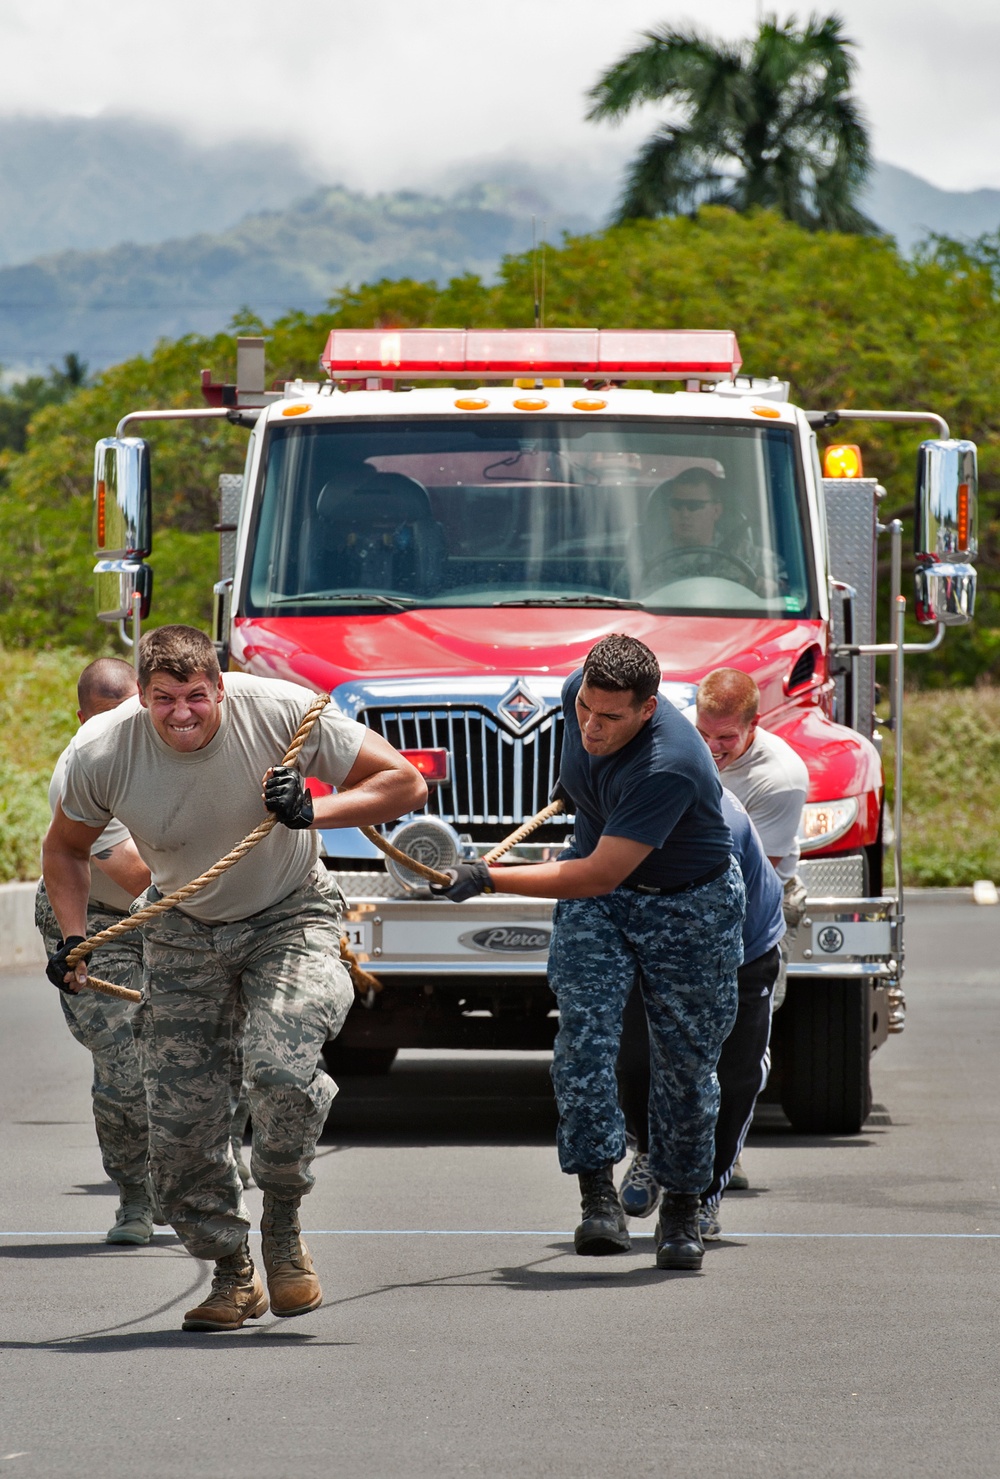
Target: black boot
603, 1227
678, 1236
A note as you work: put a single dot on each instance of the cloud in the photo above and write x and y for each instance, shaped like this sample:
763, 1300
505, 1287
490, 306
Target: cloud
387, 93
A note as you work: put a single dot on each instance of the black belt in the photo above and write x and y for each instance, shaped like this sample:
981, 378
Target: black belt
682, 888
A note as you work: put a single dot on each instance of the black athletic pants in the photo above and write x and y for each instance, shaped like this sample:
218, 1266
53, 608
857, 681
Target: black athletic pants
743, 1066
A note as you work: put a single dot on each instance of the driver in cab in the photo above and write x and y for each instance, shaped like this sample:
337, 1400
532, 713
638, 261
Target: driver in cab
684, 521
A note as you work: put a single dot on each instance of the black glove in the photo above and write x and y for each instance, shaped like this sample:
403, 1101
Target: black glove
467, 880
57, 967
559, 793
288, 798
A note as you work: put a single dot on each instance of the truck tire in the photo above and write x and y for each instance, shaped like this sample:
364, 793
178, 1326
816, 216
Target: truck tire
347, 1062
825, 1047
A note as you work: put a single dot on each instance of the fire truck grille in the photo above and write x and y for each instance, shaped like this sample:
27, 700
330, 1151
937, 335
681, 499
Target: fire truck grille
496, 778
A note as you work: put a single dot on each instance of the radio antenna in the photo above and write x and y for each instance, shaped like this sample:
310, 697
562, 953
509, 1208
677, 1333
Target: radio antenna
534, 274
540, 310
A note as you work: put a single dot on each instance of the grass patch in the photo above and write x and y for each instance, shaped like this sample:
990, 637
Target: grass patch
37, 719
951, 786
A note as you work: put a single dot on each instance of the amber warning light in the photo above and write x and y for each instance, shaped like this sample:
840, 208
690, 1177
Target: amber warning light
474, 354
843, 461
432, 764
102, 528
963, 516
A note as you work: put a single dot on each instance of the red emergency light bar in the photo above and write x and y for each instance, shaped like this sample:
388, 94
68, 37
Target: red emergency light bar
476, 354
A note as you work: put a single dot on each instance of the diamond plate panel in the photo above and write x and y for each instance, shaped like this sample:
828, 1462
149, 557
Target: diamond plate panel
850, 520
372, 884
834, 878
230, 497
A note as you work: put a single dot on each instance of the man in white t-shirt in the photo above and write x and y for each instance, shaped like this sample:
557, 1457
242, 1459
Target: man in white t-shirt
185, 767
103, 1024
760, 769
769, 778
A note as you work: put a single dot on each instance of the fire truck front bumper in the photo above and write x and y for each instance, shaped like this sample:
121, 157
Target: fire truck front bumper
432, 937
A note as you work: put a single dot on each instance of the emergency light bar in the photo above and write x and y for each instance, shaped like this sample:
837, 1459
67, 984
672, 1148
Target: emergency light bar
476, 354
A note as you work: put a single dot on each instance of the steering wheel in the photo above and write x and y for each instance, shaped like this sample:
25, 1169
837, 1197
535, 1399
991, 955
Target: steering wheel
659, 566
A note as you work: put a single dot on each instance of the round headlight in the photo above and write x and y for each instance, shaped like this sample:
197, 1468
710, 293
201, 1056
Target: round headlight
429, 841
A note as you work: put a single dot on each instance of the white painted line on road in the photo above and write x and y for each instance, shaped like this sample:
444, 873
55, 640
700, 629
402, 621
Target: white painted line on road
511, 1232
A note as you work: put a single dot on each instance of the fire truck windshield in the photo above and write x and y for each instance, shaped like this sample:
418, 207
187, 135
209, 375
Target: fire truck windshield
678, 516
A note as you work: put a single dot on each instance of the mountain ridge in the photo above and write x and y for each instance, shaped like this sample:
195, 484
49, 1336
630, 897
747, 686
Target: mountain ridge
249, 225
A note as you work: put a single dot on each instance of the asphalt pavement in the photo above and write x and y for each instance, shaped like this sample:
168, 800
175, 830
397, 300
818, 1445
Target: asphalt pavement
847, 1324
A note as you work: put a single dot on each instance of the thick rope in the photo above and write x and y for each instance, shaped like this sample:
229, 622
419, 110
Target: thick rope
552, 810
431, 874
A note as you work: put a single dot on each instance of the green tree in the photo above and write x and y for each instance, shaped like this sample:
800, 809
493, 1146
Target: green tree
767, 122
845, 318
26, 398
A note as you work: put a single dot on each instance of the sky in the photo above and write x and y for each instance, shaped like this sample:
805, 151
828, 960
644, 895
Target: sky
384, 94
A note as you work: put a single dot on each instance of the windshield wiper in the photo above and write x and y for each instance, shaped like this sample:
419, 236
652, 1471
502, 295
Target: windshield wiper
584, 599
399, 603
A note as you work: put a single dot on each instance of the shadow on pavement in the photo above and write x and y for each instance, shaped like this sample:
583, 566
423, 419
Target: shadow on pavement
247, 1339
496, 1100
63, 1248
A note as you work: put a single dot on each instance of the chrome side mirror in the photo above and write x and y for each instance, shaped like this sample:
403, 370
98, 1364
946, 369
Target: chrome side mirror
945, 532
115, 584
123, 527
945, 594
123, 505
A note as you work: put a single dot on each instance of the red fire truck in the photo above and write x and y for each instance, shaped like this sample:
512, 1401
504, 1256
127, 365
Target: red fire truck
438, 532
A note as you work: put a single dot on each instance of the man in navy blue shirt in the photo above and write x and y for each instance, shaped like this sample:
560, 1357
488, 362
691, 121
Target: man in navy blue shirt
744, 1062
648, 894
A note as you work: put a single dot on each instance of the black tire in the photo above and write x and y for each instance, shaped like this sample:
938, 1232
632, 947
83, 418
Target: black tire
347, 1062
825, 1044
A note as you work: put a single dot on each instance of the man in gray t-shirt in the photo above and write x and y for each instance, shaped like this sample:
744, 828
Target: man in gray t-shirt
771, 781
103, 1024
760, 769
186, 768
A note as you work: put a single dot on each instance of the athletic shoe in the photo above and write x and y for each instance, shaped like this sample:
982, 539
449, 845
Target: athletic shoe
640, 1191
709, 1224
739, 1180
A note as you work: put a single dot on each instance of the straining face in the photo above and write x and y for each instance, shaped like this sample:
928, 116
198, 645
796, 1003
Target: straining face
429, 841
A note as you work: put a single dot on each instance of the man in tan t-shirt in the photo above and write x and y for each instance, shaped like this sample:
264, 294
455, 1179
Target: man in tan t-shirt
183, 768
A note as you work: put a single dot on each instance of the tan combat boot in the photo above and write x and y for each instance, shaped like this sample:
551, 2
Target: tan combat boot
134, 1218
291, 1279
237, 1294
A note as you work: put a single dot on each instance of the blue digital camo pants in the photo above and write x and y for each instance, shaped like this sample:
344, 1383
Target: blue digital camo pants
683, 951
103, 1024
277, 979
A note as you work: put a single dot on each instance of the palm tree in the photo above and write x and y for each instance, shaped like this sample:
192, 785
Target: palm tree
767, 122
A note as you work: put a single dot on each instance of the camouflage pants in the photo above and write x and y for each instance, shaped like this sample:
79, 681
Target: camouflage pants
277, 979
683, 951
104, 1026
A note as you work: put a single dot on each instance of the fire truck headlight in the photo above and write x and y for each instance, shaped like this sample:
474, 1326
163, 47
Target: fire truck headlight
824, 822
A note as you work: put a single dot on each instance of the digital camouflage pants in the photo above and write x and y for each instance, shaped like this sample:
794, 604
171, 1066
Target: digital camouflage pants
682, 951
277, 979
104, 1026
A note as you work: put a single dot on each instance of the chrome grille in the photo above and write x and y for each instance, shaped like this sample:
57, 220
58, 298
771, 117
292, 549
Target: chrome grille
496, 777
